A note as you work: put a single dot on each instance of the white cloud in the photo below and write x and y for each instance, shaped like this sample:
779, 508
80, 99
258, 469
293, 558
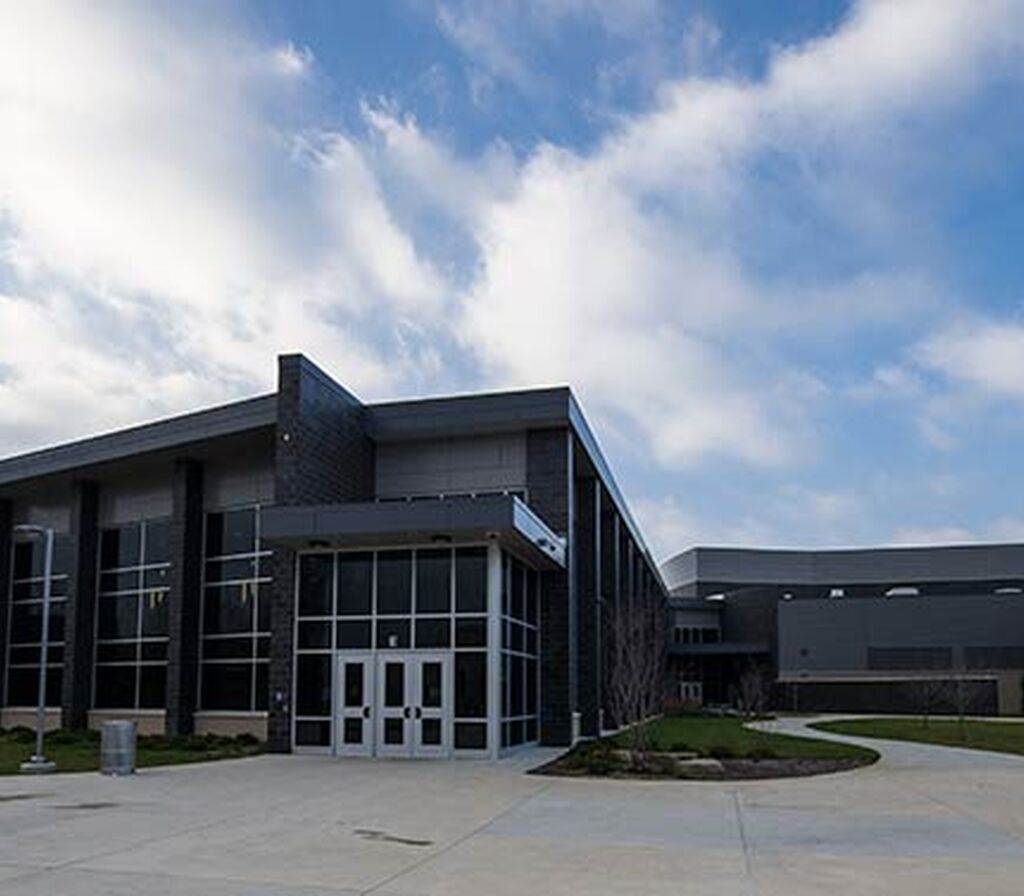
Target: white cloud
170, 223
165, 191
624, 270
290, 59
1005, 529
499, 37
791, 515
984, 355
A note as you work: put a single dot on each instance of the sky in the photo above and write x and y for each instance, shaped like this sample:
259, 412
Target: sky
775, 248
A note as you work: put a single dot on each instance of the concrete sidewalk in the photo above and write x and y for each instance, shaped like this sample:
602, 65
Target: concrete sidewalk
919, 822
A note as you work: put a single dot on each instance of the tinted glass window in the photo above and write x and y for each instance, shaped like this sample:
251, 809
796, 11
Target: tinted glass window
313, 685
152, 686
158, 541
154, 614
394, 582
315, 584
228, 609
470, 580
354, 634
355, 584
470, 632
115, 687
470, 736
312, 734
118, 617
232, 532
314, 635
121, 547
471, 685
227, 685
392, 633
433, 632
433, 581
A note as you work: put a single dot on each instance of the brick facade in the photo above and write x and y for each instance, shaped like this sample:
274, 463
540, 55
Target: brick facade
80, 611
6, 522
185, 597
588, 564
549, 480
323, 455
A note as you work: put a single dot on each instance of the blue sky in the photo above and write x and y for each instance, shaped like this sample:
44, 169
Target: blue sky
773, 246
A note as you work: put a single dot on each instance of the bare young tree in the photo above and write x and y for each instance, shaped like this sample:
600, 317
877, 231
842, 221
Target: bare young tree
637, 678
928, 694
754, 686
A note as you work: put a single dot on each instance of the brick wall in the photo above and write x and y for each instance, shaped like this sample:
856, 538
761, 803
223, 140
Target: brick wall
323, 454
184, 598
549, 478
80, 612
6, 522
588, 565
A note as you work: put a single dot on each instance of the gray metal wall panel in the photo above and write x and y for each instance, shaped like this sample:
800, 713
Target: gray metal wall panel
244, 483
740, 566
451, 466
144, 497
837, 633
233, 418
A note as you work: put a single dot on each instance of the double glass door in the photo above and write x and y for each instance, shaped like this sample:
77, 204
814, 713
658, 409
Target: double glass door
394, 704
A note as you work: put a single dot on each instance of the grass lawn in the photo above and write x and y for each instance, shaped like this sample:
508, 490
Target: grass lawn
726, 738
1001, 737
80, 751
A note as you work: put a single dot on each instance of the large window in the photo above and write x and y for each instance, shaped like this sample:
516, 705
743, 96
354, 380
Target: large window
25, 628
236, 613
519, 635
131, 616
431, 598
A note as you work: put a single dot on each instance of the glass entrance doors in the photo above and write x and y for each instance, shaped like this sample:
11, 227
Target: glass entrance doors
354, 716
394, 704
414, 696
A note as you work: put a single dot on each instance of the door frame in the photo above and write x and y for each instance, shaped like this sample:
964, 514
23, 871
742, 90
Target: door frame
412, 712
367, 712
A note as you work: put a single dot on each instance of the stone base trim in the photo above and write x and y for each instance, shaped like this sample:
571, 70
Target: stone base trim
150, 721
13, 717
231, 724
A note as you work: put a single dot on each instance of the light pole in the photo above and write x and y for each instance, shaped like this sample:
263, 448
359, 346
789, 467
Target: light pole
38, 764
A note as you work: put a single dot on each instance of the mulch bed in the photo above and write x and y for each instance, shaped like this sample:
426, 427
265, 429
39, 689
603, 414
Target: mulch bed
714, 770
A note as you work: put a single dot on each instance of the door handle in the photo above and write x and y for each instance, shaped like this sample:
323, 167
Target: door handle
419, 712
366, 712
405, 712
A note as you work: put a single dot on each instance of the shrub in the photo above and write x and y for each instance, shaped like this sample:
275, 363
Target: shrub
247, 740
721, 751
65, 737
20, 734
680, 747
594, 758
762, 753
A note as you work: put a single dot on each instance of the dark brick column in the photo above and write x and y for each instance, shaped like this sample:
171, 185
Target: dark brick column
184, 598
282, 617
80, 614
549, 481
6, 537
611, 578
588, 566
323, 454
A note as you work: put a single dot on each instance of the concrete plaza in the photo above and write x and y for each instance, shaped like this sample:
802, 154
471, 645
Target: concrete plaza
925, 820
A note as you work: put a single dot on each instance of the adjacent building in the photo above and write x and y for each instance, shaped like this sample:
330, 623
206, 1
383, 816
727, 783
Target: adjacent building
887, 629
416, 578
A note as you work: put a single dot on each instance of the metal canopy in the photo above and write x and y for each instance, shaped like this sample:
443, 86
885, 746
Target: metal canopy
504, 518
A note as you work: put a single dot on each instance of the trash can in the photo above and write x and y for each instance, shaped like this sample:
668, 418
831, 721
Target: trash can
117, 748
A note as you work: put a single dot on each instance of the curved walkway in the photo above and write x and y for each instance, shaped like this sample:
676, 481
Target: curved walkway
896, 754
924, 820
